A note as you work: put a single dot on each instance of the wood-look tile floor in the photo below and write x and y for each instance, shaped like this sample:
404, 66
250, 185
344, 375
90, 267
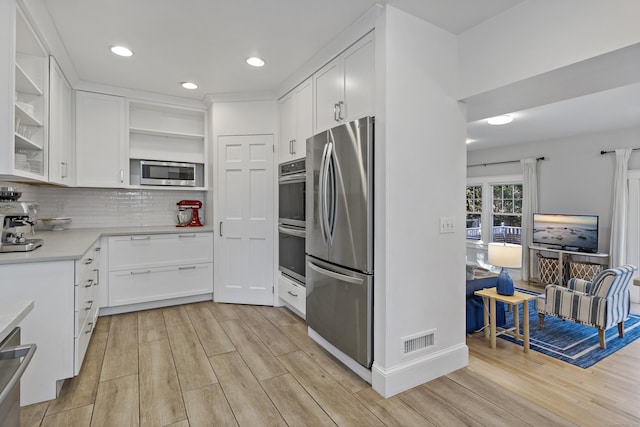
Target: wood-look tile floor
221, 364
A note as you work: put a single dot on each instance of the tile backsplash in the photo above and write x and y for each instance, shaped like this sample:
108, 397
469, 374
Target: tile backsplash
93, 207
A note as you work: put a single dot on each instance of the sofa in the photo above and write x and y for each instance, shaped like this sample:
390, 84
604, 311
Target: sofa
474, 306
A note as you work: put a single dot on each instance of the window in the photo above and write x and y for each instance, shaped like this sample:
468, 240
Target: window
494, 209
474, 212
506, 213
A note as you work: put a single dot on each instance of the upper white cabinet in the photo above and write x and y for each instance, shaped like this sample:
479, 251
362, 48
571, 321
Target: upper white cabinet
344, 88
166, 133
101, 152
61, 146
24, 117
296, 121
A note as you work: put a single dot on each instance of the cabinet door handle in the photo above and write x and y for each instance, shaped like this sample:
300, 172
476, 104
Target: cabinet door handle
88, 261
122, 176
133, 273
90, 305
140, 238
90, 324
186, 235
89, 283
98, 249
220, 231
191, 267
293, 146
97, 282
63, 170
335, 113
340, 115
292, 294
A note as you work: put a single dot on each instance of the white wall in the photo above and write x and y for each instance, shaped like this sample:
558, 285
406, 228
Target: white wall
420, 176
574, 178
535, 37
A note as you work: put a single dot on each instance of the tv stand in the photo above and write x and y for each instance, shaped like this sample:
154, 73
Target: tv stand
598, 258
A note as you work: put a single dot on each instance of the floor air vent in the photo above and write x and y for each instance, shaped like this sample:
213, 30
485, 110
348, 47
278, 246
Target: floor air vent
418, 342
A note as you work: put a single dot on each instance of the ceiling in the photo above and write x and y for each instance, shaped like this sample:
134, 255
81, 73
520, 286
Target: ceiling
207, 42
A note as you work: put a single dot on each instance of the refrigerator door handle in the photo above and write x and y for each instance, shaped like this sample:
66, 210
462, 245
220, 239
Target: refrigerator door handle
332, 188
325, 192
321, 193
335, 275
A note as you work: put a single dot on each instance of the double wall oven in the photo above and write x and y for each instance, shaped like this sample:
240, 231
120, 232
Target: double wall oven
291, 219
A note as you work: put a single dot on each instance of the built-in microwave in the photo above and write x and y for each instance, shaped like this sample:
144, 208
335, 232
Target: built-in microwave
153, 172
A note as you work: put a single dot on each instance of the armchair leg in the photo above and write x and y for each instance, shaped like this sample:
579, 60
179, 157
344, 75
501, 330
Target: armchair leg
603, 343
541, 320
621, 329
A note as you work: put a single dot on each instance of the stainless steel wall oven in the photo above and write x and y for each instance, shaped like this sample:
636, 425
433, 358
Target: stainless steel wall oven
291, 219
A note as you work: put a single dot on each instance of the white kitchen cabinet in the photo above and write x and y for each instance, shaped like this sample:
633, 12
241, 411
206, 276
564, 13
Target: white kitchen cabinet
293, 294
166, 132
101, 143
24, 109
296, 122
343, 90
61, 147
146, 268
87, 282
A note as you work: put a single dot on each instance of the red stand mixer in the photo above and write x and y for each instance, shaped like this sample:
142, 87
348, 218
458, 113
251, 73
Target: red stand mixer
188, 213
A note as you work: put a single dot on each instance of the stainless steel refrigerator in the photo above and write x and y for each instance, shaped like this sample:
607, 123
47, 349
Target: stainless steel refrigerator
339, 241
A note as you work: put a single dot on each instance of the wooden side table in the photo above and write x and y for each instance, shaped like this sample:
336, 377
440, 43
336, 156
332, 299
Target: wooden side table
489, 297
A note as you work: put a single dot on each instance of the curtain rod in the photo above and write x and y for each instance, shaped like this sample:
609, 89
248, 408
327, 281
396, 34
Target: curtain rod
502, 163
613, 151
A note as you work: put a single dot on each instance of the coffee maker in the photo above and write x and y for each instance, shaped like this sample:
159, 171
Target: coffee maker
188, 213
14, 215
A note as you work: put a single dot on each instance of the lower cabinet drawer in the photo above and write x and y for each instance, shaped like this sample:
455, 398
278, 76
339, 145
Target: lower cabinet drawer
82, 340
153, 284
293, 294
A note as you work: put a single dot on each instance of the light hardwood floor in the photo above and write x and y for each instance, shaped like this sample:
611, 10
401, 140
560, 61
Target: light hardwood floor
220, 364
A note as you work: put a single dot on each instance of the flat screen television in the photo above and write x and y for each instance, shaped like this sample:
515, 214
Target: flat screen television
567, 232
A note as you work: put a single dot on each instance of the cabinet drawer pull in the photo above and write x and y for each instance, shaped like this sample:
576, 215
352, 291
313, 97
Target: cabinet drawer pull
292, 294
98, 249
140, 238
88, 261
191, 267
89, 283
186, 235
90, 305
133, 273
90, 324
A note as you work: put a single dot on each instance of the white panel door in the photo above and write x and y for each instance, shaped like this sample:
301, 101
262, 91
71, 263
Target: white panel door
245, 254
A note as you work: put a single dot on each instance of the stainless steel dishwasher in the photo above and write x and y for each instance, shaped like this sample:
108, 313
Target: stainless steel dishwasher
11, 370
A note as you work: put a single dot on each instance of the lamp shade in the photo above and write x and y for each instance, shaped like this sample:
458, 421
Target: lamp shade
505, 255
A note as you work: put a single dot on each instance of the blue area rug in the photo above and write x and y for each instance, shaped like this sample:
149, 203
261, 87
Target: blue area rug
571, 342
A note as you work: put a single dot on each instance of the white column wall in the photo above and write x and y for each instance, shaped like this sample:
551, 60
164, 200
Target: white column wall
420, 177
535, 37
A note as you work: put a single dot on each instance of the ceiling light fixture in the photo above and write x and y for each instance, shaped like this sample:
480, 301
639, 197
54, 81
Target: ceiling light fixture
500, 120
121, 51
255, 61
189, 85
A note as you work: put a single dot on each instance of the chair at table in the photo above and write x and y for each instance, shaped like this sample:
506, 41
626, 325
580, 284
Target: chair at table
600, 303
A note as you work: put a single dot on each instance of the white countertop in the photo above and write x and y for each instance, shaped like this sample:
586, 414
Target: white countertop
73, 243
11, 314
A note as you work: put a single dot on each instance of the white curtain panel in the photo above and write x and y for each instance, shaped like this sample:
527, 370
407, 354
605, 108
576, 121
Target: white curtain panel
633, 228
529, 206
618, 248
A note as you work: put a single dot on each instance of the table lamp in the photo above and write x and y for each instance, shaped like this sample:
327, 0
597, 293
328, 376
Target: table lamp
505, 255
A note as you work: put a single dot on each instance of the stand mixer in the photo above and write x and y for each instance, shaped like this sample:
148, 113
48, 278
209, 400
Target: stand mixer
14, 214
188, 214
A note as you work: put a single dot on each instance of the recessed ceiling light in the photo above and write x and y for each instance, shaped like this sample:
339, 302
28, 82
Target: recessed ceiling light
500, 120
121, 51
189, 85
255, 61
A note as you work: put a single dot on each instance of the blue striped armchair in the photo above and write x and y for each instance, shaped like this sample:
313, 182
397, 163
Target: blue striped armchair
600, 303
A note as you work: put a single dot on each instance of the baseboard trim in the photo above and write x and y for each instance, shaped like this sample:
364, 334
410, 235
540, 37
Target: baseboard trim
108, 311
391, 381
